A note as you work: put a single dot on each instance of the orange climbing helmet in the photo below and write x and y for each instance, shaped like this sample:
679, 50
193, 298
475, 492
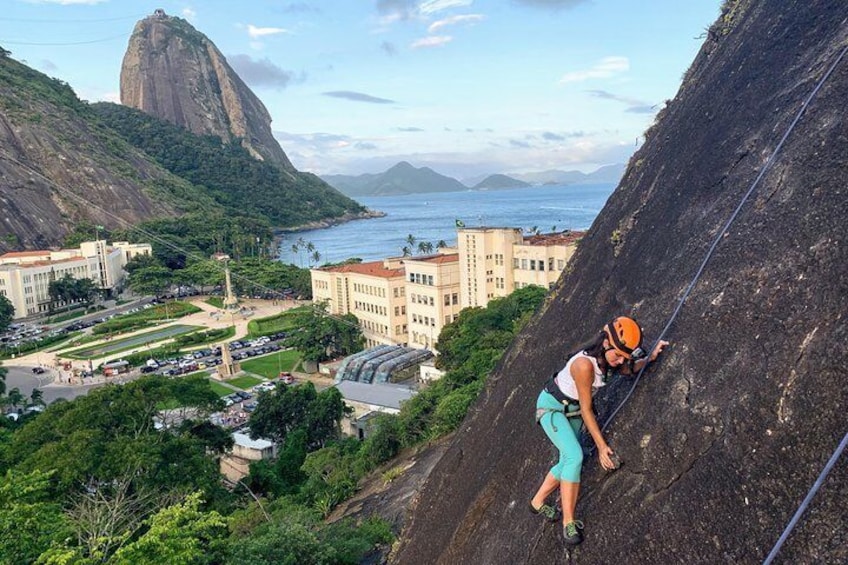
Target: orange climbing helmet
625, 335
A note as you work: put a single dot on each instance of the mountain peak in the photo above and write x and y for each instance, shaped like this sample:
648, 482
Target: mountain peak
174, 72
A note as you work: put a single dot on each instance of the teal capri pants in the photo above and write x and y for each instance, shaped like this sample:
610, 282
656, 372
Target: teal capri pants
564, 433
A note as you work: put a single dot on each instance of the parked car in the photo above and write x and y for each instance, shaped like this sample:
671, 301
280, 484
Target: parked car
38, 370
286, 378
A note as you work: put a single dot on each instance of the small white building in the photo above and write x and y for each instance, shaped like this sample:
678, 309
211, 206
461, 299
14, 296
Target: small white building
235, 465
368, 400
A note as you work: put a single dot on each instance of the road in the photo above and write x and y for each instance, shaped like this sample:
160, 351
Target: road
24, 380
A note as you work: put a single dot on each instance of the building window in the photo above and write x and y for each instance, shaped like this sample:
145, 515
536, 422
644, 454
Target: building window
455, 298
541, 265
447, 300
447, 319
532, 264
515, 263
560, 264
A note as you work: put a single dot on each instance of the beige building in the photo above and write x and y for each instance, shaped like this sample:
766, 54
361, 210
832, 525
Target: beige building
235, 465
373, 292
25, 276
432, 296
495, 261
408, 300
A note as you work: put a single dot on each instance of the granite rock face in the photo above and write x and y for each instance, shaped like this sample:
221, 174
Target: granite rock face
175, 73
60, 167
723, 438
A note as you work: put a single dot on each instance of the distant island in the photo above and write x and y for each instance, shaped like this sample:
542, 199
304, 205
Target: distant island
499, 181
404, 178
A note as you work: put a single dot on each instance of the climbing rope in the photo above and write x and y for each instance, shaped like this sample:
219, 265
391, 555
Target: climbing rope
766, 167
822, 476
725, 229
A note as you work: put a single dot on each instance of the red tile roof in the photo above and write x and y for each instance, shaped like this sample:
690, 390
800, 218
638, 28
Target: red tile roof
564, 238
14, 254
372, 268
438, 259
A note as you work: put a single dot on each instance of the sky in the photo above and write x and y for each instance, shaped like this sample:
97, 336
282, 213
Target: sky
466, 87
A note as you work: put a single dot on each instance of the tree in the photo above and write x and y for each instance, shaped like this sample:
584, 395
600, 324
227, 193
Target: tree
150, 280
140, 262
7, 313
316, 256
15, 397
321, 336
204, 273
441, 244
410, 240
178, 534
84, 290
279, 414
36, 397
30, 519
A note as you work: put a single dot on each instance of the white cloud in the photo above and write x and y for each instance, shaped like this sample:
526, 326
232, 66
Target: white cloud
189, 14
605, 68
255, 32
432, 41
432, 6
470, 18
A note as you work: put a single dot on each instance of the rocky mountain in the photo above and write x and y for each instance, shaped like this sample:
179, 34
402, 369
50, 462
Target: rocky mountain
607, 174
59, 166
499, 181
172, 71
722, 439
402, 178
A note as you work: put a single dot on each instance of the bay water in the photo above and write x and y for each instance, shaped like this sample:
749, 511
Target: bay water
433, 217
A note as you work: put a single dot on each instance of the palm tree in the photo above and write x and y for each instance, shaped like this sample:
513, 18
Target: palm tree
406, 251
36, 398
295, 248
422, 247
411, 239
316, 256
441, 244
15, 397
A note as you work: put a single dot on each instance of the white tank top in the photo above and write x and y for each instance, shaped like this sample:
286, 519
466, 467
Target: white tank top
566, 383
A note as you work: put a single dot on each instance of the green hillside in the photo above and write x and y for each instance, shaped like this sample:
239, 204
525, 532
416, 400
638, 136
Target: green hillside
230, 175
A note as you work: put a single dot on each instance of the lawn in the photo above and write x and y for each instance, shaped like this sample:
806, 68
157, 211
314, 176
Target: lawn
244, 383
146, 317
277, 323
215, 301
269, 366
136, 341
219, 389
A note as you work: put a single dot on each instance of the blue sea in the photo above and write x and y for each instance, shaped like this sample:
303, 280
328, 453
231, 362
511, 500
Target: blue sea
432, 217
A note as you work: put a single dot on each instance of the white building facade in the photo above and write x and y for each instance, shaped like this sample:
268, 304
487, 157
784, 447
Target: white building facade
25, 276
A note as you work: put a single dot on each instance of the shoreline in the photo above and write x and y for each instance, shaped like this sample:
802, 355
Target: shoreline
368, 214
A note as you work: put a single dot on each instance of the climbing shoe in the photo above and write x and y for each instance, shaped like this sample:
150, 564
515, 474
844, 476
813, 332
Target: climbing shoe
572, 532
550, 513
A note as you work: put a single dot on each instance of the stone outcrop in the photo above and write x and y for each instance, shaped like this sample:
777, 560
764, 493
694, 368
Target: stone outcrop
172, 71
723, 438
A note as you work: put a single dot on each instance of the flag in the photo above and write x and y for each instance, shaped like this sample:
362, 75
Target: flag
460, 224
